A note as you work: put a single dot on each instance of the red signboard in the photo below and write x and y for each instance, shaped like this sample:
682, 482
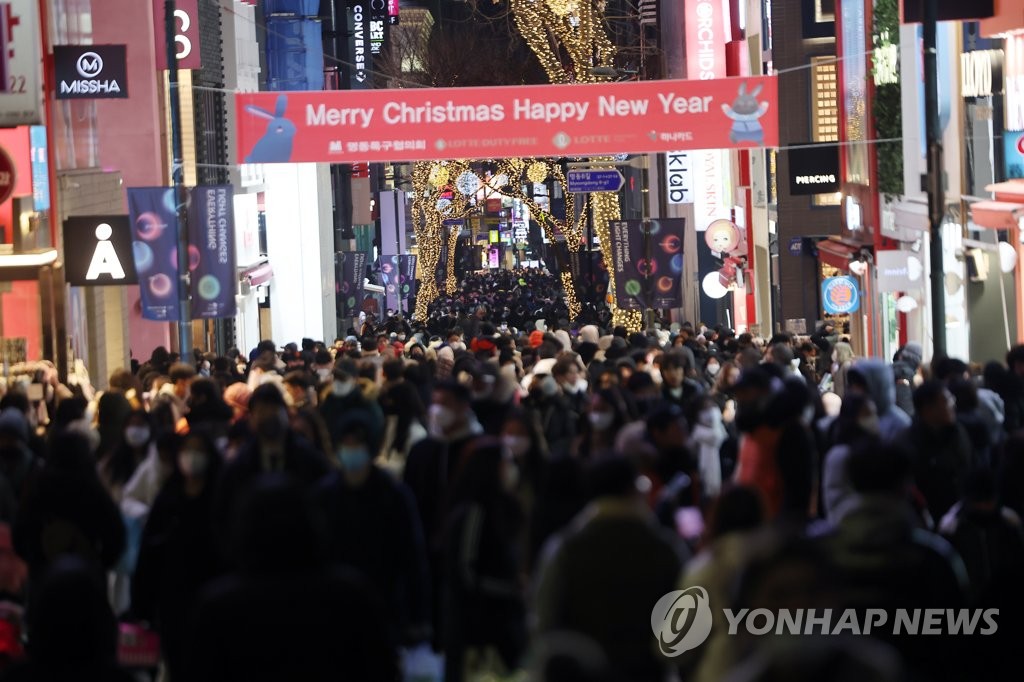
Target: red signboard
707, 32
8, 175
540, 120
186, 33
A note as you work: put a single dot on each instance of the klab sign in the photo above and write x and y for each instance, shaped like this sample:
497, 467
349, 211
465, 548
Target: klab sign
91, 71
98, 251
679, 177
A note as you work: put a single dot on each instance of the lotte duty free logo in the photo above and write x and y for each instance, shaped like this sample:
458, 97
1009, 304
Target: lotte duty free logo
90, 71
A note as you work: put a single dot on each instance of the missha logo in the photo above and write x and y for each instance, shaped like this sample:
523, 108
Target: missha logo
94, 73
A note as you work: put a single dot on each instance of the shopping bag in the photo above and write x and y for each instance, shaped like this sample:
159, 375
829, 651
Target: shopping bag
137, 647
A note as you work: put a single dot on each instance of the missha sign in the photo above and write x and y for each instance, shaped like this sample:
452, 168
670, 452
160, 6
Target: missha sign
90, 71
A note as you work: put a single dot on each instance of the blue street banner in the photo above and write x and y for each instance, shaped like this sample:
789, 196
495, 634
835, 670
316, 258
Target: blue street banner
155, 250
211, 237
407, 279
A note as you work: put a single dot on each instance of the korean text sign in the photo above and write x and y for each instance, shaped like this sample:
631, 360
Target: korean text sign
340, 126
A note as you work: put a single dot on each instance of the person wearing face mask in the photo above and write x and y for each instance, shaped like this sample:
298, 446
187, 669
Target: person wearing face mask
855, 427
274, 448
343, 403
712, 370
178, 554
137, 442
431, 466
374, 527
555, 412
606, 414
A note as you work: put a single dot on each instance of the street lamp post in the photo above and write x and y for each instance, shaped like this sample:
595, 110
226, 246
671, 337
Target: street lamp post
936, 193
178, 179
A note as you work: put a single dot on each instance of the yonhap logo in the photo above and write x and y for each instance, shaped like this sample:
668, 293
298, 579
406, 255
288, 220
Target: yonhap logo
681, 620
89, 65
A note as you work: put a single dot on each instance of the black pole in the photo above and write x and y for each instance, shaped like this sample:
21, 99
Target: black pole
936, 193
178, 178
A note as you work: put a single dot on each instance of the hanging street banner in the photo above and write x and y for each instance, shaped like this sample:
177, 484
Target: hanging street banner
211, 238
389, 274
628, 262
350, 283
155, 248
339, 126
407, 279
665, 268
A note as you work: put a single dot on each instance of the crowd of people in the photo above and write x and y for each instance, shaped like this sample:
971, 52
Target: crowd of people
495, 490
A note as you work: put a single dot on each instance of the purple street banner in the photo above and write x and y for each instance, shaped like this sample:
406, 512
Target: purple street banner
350, 283
407, 279
155, 250
211, 251
665, 268
389, 275
628, 262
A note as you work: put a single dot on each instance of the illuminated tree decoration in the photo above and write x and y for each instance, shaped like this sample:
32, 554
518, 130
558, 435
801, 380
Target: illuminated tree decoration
468, 183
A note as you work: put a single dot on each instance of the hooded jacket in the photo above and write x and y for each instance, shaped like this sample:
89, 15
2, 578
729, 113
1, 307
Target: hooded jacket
881, 385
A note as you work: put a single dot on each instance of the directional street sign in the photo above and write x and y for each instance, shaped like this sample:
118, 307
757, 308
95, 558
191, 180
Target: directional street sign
595, 180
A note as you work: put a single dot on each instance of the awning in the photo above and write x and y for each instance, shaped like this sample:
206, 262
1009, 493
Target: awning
258, 274
16, 267
836, 253
996, 215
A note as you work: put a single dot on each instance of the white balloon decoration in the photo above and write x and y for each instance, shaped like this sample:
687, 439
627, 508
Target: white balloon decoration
906, 304
712, 285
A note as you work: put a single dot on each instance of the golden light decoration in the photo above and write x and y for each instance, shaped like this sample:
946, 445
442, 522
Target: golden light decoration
571, 302
537, 172
438, 175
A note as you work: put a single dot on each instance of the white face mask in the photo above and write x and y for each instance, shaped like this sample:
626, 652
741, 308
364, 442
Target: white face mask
458, 345
192, 462
323, 374
136, 436
343, 388
601, 421
441, 419
517, 446
676, 393
714, 369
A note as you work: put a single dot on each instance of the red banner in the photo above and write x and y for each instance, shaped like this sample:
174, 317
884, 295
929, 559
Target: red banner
538, 120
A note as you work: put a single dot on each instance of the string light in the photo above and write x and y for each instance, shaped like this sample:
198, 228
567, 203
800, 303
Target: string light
569, 39
537, 172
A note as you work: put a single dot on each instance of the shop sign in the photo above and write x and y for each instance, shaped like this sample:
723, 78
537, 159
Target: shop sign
840, 295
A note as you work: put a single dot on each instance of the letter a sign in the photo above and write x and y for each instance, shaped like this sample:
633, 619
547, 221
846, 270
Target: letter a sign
98, 251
